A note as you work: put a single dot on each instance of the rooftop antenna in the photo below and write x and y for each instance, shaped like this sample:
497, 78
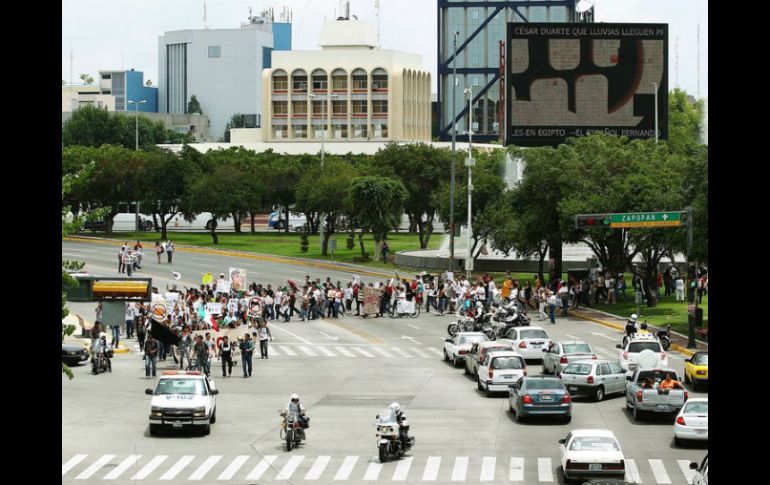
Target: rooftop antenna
205, 26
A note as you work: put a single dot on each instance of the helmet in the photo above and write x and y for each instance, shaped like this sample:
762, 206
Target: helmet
634, 317
294, 396
644, 325
102, 335
395, 407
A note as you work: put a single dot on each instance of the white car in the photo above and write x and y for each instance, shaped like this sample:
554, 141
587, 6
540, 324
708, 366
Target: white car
692, 422
500, 369
528, 341
183, 400
559, 354
591, 453
701, 476
628, 356
456, 347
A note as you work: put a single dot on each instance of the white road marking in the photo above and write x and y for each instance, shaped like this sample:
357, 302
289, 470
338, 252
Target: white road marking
274, 351
572, 336
149, 468
362, 351
347, 467
307, 351
632, 472
402, 470
413, 326
72, 463
233, 467
383, 352
431, 468
94, 467
460, 469
261, 467
675, 357
292, 334
401, 353
290, 467
420, 352
124, 465
544, 472
286, 350
318, 468
345, 352
516, 471
205, 467
325, 351
435, 351
488, 469
684, 465
661, 476
373, 471
178, 467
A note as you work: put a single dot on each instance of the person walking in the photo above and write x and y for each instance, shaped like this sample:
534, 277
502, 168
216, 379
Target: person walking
226, 356
610, 285
247, 352
130, 319
169, 251
150, 356
679, 288
264, 333
158, 250
121, 260
201, 351
385, 250
563, 295
542, 296
141, 330
552, 302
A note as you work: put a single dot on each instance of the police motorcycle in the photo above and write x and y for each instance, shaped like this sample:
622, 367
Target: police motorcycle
292, 431
392, 434
470, 318
101, 354
506, 316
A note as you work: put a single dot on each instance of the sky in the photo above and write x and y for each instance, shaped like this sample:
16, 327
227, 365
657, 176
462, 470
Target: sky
125, 35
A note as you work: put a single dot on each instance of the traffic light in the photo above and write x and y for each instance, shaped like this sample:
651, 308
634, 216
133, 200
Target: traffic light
589, 221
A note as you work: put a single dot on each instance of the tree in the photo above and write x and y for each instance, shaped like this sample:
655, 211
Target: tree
696, 189
280, 175
220, 192
194, 107
377, 203
86, 78
685, 120
237, 121
166, 179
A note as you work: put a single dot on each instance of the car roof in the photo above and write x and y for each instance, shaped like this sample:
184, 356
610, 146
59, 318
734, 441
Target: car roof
182, 375
541, 377
505, 353
644, 338
593, 432
593, 361
530, 328
493, 343
563, 342
698, 399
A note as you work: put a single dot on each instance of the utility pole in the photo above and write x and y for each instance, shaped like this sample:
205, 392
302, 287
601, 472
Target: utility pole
323, 97
454, 158
469, 162
691, 318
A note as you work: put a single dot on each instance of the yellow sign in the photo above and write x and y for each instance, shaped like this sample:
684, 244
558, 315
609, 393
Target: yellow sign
207, 279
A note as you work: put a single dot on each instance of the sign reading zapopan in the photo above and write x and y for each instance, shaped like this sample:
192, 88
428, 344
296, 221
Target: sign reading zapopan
645, 219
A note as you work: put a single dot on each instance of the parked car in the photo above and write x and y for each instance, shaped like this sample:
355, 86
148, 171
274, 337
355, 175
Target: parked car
594, 378
94, 226
499, 370
701, 476
477, 353
74, 354
455, 348
559, 354
692, 423
528, 341
696, 369
540, 395
591, 453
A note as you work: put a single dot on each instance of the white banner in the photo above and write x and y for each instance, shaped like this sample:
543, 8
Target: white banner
214, 308
223, 286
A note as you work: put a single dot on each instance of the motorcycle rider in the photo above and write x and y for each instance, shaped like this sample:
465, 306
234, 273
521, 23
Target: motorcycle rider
643, 328
298, 410
101, 346
403, 430
631, 325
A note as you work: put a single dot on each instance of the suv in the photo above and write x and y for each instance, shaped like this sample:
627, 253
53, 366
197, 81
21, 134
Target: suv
183, 399
629, 355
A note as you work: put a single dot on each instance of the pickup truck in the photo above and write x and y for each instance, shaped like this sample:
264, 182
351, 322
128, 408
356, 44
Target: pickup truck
642, 400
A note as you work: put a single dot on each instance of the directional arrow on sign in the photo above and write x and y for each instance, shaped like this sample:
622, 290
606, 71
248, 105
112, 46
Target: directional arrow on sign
410, 338
329, 336
665, 217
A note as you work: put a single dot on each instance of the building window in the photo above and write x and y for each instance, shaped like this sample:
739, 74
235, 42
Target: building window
280, 82
299, 82
339, 109
360, 81
379, 80
106, 76
280, 109
380, 107
215, 51
380, 131
537, 14
360, 108
278, 132
340, 131
360, 131
339, 81
299, 109
318, 109
300, 131
320, 81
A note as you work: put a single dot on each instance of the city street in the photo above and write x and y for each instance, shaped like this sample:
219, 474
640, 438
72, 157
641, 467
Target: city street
345, 371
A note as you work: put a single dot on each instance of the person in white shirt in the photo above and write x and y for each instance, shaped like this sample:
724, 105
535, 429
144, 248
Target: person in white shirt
349, 298
679, 288
269, 314
130, 318
609, 285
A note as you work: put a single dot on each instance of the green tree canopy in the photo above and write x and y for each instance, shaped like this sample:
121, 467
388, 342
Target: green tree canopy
377, 203
194, 107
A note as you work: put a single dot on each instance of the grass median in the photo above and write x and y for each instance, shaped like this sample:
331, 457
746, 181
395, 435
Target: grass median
668, 310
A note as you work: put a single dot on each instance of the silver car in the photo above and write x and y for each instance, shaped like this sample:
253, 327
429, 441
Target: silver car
477, 353
558, 355
594, 378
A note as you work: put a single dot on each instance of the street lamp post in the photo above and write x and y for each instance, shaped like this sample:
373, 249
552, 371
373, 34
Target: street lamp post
655, 86
137, 103
323, 97
469, 162
452, 182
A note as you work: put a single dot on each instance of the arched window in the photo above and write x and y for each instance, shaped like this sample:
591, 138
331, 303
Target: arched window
379, 80
320, 81
280, 81
299, 81
339, 81
360, 81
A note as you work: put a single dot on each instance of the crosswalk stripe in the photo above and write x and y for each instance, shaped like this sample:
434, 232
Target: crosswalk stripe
460, 469
290, 467
149, 468
435, 351
274, 350
420, 352
326, 351
544, 472
383, 352
373, 471
205, 467
233, 467
261, 467
661, 476
362, 351
286, 350
318, 468
401, 353
344, 351
124, 465
488, 469
684, 465
431, 468
402, 469
178, 466
632, 472
94, 467
347, 467
307, 351
516, 472
72, 463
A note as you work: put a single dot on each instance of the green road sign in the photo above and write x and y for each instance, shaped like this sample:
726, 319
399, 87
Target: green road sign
646, 219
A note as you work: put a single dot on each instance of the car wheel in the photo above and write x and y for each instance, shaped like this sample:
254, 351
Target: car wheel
567, 418
686, 378
519, 417
207, 430
465, 370
154, 429
478, 384
446, 357
545, 368
487, 392
677, 441
214, 416
599, 395
637, 414
454, 361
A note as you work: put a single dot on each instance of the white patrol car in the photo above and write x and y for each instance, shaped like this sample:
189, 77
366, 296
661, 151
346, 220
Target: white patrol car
628, 356
182, 400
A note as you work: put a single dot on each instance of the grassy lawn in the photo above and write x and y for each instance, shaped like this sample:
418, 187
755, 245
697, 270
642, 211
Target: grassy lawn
667, 311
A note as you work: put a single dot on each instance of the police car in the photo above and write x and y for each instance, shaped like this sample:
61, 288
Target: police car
183, 400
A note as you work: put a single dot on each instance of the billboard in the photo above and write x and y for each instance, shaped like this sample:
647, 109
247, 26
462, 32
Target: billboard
565, 79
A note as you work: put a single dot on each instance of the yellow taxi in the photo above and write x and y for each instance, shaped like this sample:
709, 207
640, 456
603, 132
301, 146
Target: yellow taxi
696, 369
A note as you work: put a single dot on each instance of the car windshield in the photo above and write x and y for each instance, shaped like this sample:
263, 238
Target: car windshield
543, 384
577, 349
386, 417
493, 348
594, 443
532, 333
579, 369
507, 363
697, 407
181, 386
701, 359
471, 339
636, 347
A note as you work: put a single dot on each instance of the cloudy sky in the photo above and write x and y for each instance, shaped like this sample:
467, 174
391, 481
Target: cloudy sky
123, 34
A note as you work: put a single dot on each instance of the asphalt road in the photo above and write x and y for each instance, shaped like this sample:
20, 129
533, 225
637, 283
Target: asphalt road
345, 371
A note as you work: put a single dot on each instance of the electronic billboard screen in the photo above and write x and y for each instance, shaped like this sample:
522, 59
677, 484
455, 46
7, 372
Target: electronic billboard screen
566, 79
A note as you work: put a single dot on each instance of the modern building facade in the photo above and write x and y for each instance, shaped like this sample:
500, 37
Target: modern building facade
482, 26
349, 90
222, 68
127, 86
76, 96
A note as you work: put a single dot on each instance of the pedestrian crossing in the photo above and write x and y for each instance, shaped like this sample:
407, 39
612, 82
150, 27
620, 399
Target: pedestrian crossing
316, 351
356, 468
